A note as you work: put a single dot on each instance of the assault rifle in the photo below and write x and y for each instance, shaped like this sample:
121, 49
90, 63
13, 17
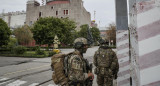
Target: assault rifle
89, 82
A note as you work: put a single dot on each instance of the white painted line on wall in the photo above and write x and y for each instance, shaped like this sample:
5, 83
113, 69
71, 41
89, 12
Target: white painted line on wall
123, 77
124, 68
128, 84
122, 42
148, 17
149, 45
16, 83
125, 59
123, 51
119, 35
150, 75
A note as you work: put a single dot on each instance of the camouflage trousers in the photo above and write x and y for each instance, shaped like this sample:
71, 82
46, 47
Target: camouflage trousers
104, 80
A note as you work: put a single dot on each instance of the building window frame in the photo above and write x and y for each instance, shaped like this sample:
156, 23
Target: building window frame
56, 13
40, 14
66, 12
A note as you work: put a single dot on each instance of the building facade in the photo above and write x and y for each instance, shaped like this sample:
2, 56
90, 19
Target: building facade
72, 9
14, 19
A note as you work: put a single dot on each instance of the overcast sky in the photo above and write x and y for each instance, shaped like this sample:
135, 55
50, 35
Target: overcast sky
105, 9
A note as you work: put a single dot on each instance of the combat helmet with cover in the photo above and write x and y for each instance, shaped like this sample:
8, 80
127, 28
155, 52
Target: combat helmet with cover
80, 44
104, 43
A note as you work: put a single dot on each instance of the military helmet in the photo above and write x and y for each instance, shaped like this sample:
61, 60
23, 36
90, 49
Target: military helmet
79, 42
103, 41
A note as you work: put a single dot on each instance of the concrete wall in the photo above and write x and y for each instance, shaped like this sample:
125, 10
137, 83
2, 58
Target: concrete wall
140, 64
134, 61
76, 12
122, 37
148, 27
14, 19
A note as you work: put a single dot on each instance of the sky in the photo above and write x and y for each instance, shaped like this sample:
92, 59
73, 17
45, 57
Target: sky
104, 9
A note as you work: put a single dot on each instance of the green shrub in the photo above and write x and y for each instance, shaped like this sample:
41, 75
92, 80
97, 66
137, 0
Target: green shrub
19, 50
40, 52
51, 53
32, 48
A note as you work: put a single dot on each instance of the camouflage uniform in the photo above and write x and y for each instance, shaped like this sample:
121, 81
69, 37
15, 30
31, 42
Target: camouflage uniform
77, 68
77, 72
107, 66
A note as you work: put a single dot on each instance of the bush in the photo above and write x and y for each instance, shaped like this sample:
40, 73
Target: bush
32, 48
51, 53
19, 50
39, 52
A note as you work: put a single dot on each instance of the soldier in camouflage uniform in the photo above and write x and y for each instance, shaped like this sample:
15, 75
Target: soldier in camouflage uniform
106, 63
77, 65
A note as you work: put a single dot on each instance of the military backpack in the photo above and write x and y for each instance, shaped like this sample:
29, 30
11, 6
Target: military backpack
57, 65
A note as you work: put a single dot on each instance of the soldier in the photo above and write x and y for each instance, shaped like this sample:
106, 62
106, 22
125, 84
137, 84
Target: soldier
106, 63
77, 66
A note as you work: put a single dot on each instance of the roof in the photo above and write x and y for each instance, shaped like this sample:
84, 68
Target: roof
57, 2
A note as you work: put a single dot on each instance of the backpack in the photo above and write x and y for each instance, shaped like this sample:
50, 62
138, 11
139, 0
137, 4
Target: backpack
57, 64
104, 57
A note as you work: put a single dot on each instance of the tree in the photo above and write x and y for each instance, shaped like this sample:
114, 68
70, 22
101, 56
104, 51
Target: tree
5, 33
83, 31
45, 29
23, 34
111, 33
69, 31
95, 33
12, 43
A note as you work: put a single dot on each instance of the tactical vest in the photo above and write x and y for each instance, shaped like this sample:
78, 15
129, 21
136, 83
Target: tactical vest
104, 58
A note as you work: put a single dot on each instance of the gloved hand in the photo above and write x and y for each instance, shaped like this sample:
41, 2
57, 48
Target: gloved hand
91, 76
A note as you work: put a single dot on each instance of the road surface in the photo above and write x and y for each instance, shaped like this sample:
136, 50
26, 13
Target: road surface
16, 71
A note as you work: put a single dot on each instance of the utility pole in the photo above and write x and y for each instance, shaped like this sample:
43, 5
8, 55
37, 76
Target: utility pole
95, 15
42, 2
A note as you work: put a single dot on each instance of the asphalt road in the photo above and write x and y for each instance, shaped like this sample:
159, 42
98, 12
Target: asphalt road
16, 71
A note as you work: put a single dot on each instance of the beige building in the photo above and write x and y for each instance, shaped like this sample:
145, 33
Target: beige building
14, 19
73, 9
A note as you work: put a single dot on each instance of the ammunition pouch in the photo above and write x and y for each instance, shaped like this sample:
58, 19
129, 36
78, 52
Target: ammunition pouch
96, 71
103, 71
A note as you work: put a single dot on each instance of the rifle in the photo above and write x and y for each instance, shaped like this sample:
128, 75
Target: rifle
89, 69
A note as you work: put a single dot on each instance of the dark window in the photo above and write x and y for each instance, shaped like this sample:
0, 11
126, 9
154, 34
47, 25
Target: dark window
64, 12
56, 12
52, 7
40, 14
67, 12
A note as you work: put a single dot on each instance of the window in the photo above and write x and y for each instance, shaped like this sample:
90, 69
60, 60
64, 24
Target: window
56, 13
67, 12
64, 12
40, 14
52, 7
